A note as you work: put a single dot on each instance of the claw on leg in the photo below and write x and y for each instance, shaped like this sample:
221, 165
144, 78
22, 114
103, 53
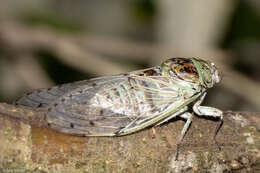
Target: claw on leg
219, 125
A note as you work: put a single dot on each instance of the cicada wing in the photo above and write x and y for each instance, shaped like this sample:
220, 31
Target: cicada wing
112, 104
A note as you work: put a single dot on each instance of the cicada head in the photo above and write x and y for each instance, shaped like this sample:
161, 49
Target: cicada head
192, 70
208, 73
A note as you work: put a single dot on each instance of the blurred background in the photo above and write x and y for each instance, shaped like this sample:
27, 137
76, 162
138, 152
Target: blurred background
48, 42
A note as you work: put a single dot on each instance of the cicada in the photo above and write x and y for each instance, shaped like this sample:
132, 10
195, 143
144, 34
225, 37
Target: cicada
126, 103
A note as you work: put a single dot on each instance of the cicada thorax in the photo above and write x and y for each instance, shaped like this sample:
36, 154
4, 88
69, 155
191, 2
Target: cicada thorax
181, 68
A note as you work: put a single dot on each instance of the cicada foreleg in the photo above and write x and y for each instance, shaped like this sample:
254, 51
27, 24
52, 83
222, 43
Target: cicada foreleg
211, 112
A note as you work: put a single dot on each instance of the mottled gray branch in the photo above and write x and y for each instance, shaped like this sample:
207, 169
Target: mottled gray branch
39, 149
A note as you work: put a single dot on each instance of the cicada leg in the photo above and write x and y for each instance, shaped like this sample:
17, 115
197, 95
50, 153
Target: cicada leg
211, 112
188, 117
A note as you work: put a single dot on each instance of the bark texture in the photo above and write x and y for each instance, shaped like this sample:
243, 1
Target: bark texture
26, 145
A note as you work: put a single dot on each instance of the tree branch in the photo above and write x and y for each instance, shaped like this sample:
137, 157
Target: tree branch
35, 148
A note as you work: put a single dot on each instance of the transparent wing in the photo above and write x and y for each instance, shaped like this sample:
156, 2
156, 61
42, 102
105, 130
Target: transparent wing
114, 105
111, 105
